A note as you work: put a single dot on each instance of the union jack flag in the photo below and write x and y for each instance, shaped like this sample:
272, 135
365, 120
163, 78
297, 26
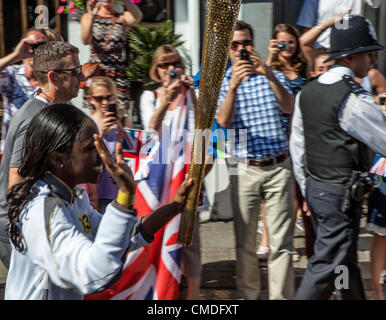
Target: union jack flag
154, 272
379, 166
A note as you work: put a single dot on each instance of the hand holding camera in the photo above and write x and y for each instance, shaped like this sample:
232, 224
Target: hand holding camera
172, 88
274, 48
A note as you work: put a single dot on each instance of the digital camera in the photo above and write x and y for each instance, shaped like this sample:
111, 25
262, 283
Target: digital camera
173, 75
283, 45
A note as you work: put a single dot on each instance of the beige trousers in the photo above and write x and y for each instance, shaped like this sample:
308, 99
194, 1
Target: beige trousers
249, 186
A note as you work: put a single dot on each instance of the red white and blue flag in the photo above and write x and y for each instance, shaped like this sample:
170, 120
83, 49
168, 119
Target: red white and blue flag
154, 272
379, 166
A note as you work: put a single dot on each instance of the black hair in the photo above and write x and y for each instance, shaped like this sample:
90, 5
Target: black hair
54, 129
242, 25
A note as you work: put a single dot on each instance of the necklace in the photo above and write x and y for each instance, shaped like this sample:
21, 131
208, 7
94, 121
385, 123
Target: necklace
40, 91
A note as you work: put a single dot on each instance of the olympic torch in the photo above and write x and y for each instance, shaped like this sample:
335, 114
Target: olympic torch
220, 24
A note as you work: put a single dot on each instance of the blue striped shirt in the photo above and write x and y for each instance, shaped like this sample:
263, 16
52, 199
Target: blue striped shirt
259, 122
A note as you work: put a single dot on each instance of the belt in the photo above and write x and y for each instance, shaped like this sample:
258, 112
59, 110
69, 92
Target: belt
266, 162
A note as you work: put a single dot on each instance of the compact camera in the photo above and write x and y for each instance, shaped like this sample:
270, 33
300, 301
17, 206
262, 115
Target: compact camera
283, 45
173, 75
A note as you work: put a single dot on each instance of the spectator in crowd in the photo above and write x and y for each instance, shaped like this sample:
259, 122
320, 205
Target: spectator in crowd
61, 247
376, 224
56, 66
158, 109
18, 81
342, 121
105, 30
285, 55
102, 94
255, 98
375, 82
318, 66
309, 38
314, 12
320, 15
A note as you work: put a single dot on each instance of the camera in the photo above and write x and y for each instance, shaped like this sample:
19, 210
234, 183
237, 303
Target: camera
173, 75
283, 45
382, 98
113, 108
244, 55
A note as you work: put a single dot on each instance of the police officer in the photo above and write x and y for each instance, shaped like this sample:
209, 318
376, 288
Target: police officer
334, 122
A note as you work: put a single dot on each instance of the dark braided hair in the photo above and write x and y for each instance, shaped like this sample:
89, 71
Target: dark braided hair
55, 128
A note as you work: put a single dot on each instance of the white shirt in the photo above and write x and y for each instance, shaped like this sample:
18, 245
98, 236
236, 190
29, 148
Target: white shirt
84, 251
359, 116
148, 105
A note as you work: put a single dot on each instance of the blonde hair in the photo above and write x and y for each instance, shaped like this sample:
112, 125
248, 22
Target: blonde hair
101, 81
162, 53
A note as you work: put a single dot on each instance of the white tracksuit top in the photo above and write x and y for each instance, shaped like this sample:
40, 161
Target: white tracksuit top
84, 252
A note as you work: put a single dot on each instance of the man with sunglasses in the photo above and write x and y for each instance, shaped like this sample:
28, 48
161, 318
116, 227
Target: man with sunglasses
253, 99
57, 69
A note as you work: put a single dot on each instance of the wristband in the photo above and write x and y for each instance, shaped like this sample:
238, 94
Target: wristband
125, 199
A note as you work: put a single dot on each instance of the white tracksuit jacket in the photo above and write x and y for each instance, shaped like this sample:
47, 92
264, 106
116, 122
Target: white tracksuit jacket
84, 252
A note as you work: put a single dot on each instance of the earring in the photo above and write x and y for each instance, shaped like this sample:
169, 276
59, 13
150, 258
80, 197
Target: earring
61, 165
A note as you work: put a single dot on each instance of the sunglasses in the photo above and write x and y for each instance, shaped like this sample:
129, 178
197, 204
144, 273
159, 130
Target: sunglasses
245, 43
165, 65
100, 99
37, 45
75, 72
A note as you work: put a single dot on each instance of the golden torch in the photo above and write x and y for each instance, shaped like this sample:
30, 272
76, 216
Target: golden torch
220, 24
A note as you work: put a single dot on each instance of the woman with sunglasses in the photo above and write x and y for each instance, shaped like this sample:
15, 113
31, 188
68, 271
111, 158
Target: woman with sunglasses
102, 95
158, 110
157, 106
61, 247
105, 30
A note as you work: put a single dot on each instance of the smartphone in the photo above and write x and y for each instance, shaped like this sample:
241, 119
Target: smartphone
173, 75
244, 55
113, 108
